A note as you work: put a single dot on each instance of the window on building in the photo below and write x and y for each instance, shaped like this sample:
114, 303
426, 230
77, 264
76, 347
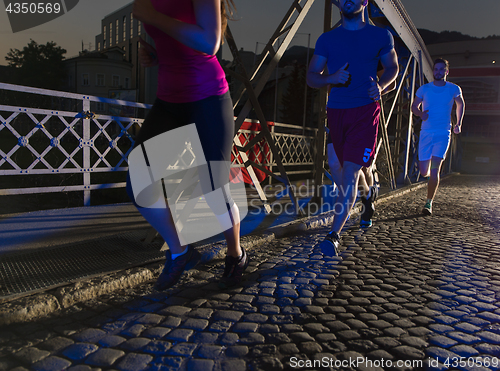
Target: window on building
131, 25
117, 32
116, 81
139, 24
104, 33
85, 79
110, 34
127, 83
99, 46
124, 28
100, 79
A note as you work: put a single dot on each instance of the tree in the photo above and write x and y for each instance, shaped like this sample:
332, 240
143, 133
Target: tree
39, 66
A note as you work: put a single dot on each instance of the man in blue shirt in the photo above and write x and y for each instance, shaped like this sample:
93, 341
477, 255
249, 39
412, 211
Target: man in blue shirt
353, 50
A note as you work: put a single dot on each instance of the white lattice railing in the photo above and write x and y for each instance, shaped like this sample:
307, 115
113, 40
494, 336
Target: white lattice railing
41, 142
72, 138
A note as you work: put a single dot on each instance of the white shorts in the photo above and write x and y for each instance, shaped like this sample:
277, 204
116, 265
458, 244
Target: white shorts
433, 144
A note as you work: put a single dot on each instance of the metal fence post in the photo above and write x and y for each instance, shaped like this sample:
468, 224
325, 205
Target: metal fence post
86, 153
406, 166
271, 158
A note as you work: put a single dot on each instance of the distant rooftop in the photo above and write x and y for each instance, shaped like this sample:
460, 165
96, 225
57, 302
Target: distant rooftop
432, 37
117, 10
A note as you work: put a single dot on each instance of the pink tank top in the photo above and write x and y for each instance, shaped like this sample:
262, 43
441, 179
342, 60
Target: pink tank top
184, 74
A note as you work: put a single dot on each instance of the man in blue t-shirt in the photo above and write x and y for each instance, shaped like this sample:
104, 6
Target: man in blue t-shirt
353, 50
437, 100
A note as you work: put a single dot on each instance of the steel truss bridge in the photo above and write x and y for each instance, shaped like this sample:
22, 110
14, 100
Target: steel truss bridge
270, 150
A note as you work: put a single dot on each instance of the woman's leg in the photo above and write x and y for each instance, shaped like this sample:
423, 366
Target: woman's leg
154, 207
159, 216
232, 234
160, 119
215, 124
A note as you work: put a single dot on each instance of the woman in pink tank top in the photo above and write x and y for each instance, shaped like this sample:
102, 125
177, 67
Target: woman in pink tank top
191, 89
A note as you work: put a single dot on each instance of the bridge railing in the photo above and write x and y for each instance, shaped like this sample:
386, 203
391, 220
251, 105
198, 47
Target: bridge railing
51, 146
72, 148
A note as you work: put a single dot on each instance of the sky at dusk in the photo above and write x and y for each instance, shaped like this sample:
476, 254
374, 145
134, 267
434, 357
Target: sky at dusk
257, 19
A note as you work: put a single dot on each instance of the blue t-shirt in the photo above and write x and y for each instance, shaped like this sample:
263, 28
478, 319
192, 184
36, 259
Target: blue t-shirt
362, 49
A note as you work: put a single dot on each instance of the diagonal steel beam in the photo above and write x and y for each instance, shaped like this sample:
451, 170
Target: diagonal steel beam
290, 31
396, 14
254, 92
264, 132
410, 124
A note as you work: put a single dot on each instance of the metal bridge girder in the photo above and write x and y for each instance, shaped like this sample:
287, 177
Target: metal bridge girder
421, 67
397, 16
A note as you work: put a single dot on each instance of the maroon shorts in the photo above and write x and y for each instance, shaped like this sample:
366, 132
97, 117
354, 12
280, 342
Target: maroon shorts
353, 132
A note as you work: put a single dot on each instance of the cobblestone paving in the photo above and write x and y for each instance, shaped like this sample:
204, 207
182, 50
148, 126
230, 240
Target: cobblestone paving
410, 293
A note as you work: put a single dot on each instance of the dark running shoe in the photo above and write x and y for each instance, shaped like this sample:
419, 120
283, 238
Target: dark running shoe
233, 271
173, 269
330, 245
365, 223
427, 210
369, 208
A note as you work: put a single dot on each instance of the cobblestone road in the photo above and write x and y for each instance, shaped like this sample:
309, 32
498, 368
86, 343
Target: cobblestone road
408, 292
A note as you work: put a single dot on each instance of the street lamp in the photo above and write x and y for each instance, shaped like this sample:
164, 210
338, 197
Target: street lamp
276, 86
305, 84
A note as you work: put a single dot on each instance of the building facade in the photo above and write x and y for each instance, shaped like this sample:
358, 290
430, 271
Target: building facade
120, 30
100, 74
